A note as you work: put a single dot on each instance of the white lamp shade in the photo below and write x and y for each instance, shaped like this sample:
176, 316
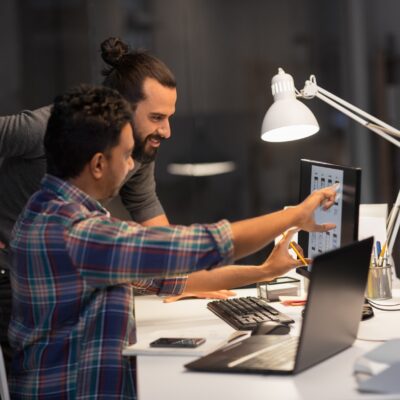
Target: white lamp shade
288, 119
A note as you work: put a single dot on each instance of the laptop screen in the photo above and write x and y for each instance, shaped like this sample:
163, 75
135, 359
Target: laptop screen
335, 298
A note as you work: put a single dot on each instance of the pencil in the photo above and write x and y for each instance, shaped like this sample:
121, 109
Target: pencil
381, 255
293, 247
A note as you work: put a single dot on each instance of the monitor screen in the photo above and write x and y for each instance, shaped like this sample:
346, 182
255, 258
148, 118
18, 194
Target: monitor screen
344, 213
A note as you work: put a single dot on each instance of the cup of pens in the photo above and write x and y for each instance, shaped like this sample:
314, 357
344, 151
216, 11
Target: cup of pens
379, 286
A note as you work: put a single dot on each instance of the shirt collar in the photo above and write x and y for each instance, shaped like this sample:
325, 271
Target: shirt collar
70, 193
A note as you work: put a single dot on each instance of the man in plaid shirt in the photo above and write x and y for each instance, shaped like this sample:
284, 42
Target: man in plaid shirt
73, 303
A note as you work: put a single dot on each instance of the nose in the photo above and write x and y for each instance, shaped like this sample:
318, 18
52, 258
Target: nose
165, 129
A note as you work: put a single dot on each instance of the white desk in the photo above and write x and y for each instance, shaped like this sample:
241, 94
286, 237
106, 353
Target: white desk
164, 377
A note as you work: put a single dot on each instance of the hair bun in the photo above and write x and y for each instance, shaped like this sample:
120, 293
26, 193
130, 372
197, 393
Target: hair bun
112, 50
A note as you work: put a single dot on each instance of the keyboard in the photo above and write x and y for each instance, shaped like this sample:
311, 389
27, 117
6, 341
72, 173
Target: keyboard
277, 356
244, 313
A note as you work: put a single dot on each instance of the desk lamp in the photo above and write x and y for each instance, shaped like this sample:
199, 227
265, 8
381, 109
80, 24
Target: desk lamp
289, 119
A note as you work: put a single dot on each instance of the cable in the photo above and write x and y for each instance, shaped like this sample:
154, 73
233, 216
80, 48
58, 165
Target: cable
381, 306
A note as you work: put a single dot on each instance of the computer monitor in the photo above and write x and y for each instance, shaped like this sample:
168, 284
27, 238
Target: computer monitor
344, 213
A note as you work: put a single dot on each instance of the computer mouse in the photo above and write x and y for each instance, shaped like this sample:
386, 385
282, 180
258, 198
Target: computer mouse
271, 328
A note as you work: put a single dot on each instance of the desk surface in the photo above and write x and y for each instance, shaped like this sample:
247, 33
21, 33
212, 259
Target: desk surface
164, 377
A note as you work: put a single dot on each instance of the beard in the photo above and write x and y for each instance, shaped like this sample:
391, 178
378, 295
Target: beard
142, 153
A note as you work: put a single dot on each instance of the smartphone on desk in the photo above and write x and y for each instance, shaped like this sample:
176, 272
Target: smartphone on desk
178, 342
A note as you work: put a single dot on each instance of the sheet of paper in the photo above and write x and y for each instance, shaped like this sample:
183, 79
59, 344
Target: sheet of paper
214, 339
372, 221
378, 370
385, 382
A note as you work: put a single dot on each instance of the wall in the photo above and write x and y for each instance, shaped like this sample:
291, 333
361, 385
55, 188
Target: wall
224, 54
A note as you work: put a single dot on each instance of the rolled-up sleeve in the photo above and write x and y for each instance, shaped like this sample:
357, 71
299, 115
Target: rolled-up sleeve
161, 287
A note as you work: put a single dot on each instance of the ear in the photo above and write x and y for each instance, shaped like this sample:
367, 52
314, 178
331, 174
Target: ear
97, 165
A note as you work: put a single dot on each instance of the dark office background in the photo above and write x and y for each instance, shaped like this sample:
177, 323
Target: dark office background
224, 54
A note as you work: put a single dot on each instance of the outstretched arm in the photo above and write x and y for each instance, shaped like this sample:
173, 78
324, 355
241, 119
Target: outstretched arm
253, 234
278, 263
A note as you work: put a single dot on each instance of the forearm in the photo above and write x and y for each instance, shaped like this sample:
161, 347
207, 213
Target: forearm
278, 263
253, 234
226, 278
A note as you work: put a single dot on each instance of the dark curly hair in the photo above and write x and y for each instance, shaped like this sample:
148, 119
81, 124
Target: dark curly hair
83, 121
128, 69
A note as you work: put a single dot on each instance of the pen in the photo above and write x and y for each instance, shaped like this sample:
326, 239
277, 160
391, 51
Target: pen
378, 249
293, 247
374, 258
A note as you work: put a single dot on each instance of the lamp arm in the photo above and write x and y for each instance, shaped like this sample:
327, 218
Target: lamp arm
396, 226
343, 109
393, 224
382, 129
390, 129
380, 132
375, 128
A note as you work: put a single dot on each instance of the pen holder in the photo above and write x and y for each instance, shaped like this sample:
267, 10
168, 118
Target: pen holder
379, 286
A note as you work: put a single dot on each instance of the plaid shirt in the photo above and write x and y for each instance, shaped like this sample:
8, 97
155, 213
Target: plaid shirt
73, 308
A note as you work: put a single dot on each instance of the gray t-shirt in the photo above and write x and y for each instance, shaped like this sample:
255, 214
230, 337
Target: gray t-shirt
23, 164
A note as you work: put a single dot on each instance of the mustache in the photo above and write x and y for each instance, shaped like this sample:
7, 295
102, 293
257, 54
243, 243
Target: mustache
140, 154
155, 136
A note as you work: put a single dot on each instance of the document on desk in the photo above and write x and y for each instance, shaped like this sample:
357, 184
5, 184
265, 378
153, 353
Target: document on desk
372, 221
214, 340
378, 371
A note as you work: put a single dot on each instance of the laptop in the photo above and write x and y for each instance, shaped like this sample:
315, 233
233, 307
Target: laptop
330, 323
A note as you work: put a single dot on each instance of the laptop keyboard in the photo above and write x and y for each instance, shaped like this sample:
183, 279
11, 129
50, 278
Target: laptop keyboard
278, 356
244, 313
